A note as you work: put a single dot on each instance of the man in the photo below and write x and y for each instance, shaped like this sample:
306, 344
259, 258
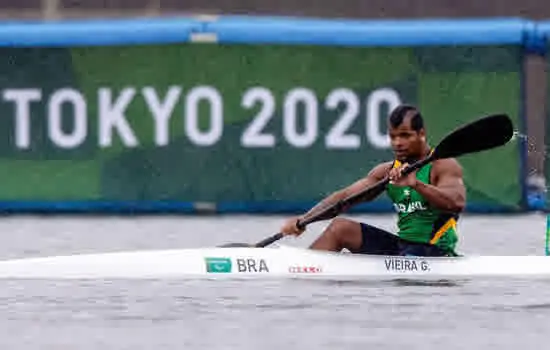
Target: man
428, 201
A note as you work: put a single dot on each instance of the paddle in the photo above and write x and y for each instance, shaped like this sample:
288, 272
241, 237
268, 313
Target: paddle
483, 134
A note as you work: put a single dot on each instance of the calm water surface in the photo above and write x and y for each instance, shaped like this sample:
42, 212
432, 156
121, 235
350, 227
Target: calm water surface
157, 314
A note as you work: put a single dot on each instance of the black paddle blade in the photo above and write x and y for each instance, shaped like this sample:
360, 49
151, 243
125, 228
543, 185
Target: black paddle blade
483, 134
236, 245
264, 243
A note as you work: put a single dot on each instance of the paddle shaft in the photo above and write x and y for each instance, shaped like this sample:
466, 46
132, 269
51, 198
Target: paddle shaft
335, 209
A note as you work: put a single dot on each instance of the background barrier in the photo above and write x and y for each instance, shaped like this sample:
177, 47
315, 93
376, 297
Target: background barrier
240, 114
543, 33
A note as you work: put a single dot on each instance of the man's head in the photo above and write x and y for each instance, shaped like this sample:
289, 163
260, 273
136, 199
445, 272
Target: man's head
407, 133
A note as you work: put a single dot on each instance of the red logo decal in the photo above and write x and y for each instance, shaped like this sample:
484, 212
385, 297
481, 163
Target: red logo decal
305, 269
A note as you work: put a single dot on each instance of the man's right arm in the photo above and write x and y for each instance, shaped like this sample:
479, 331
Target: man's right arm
375, 175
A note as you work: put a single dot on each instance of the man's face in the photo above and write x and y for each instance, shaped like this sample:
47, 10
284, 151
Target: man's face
406, 142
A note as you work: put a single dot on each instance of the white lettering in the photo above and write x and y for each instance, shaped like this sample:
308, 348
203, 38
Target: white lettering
290, 118
22, 99
410, 208
336, 136
55, 125
212, 96
68, 118
252, 135
161, 111
112, 116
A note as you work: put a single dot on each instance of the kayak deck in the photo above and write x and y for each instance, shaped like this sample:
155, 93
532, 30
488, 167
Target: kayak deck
279, 262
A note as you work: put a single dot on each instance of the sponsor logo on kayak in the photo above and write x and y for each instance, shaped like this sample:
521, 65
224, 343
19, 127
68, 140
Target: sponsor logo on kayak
218, 265
305, 269
248, 265
406, 264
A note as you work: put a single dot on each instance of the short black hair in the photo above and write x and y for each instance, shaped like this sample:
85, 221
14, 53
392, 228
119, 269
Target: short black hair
398, 114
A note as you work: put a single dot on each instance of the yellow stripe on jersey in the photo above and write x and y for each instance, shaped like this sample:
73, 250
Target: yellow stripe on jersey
451, 223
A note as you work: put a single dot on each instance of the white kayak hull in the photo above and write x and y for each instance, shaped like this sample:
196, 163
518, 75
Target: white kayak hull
279, 262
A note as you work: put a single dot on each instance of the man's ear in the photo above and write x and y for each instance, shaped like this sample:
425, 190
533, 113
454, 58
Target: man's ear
422, 133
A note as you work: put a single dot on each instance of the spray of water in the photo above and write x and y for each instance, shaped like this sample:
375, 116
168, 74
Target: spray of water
532, 147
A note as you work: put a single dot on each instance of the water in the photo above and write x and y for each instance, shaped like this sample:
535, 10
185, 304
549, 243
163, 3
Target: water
157, 314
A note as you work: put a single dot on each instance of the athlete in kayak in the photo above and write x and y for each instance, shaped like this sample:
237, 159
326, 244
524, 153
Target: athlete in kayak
428, 202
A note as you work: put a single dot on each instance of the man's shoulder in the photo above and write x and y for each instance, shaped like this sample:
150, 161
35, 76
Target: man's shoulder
384, 166
380, 170
447, 164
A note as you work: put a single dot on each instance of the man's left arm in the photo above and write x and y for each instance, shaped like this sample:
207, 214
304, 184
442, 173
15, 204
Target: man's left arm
447, 192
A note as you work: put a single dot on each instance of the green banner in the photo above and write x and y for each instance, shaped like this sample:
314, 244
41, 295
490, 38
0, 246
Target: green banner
238, 123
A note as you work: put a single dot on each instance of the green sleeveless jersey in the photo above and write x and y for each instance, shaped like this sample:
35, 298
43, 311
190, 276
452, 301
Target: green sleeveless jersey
417, 220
